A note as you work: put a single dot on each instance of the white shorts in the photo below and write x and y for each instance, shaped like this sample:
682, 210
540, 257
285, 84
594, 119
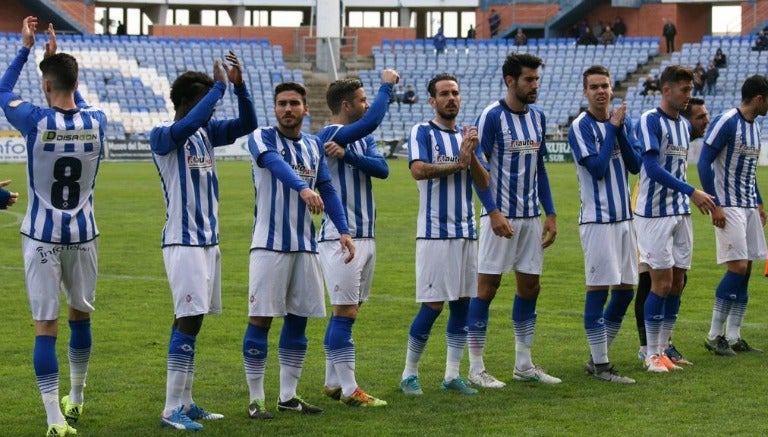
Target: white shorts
283, 283
521, 253
348, 284
50, 268
194, 274
665, 242
446, 270
742, 238
610, 253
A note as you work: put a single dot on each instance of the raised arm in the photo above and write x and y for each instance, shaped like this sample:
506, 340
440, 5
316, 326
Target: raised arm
225, 132
375, 114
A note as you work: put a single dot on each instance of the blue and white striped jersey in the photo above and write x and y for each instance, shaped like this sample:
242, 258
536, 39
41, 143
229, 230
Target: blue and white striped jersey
354, 186
63, 153
64, 148
605, 200
190, 188
510, 146
282, 220
183, 153
738, 144
670, 138
446, 209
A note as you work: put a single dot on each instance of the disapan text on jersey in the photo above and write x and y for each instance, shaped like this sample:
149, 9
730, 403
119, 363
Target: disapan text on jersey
675, 150
199, 161
70, 136
303, 171
523, 146
443, 159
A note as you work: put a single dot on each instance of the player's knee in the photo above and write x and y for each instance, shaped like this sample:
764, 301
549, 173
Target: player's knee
345, 311
435, 306
738, 267
189, 325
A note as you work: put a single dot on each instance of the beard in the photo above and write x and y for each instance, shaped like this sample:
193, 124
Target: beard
290, 124
527, 98
448, 114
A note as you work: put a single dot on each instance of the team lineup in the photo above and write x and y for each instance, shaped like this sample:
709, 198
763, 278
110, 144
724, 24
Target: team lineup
644, 243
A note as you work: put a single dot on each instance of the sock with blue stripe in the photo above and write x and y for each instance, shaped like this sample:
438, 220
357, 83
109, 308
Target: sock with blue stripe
671, 308
181, 351
524, 325
477, 330
255, 349
455, 337
615, 311
594, 325
417, 338
47, 374
79, 355
331, 379
291, 352
738, 311
654, 316
342, 350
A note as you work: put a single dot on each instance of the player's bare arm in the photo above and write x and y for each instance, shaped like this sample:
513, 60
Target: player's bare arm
761, 211
219, 72
313, 200
348, 247
421, 170
549, 231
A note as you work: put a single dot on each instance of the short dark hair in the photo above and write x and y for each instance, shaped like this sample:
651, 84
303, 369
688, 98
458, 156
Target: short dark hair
341, 91
431, 86
675, 74
189, 86
693, 101
513, 65
755, 85
62, 70
291, 86
595, 69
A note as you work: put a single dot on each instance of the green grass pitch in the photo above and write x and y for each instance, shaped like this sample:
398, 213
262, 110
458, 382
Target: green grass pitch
126, 381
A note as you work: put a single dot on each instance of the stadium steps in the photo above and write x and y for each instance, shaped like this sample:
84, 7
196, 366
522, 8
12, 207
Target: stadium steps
654, 63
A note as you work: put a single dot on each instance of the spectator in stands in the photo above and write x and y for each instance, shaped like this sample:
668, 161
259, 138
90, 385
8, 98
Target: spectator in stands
619, 28
120, 28
520, 38
494, 22
608, 37
588, 38
698, 79
710, 79
439, 41
720, 59
471, 32
669, 31
584, 28
409, 98
598, 28
761, 43
650, 86
398, 95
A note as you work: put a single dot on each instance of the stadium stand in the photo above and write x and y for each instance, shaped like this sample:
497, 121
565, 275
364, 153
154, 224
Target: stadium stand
478, 67
742, 62
130, 77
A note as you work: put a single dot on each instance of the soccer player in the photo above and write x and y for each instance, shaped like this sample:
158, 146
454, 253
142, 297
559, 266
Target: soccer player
183, 151
443, 162
7, 198
603, 146
512, 144
353, 159
727, 169
697, 115
662, 214
64, 147
284, 274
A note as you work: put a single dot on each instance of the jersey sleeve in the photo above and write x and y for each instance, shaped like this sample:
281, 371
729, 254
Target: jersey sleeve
418, 145
648, 131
